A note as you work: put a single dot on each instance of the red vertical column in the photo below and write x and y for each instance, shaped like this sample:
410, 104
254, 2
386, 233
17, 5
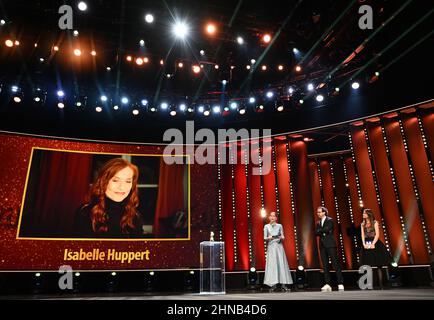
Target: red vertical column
428, 126
407, 195
227, 219
344, 211
352, 185
303, 196
286, 214
257, 221
269, 182
242, 224
388, 200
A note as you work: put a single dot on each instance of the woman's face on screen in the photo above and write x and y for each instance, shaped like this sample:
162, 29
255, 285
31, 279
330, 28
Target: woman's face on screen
120, 185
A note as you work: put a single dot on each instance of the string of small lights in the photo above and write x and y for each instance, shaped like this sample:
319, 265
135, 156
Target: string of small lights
425, 144
234, 214
249, 218
321, 189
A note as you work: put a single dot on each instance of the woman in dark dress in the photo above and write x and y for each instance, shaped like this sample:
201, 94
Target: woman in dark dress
111, 211
373, 252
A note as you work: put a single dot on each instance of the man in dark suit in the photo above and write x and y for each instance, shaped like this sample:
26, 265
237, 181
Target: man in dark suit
327, 248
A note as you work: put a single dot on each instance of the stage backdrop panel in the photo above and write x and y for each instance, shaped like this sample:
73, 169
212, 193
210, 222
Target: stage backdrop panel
46, 180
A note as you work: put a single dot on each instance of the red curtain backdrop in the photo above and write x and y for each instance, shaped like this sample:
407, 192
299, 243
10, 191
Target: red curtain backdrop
170, 197
62, 187
227, 217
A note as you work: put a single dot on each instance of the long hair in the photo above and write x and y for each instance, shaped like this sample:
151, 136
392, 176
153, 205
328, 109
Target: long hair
371, 218
97, 194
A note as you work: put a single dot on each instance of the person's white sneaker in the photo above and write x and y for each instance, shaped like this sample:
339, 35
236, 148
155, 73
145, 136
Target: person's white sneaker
326, 288
341, 287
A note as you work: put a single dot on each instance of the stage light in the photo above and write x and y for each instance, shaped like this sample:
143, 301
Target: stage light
39, 96
252, 100
310, 87
136, 112
355, 85
78, 104
108, 69
216, 109
206, 111
35, 45
295, 50
216, 67
56, 48
15, 89
196, 69
252, 61
266, 38
394, 275
168, 76
99, 109
224, 82
142, 43
150, 281
77, 52
144, 102
93, 53
190, 109
75, 33
240, 40
2, 22
82, 6
60, 105
301, 101
17, 43
125, 100
248, 67
149, 18
211, 28
290, 90
77, 274
129, 58
242, 110
180, 30
162, 62
112, 282
377, 74
279, 106
259, 108
263, 213
320, 98
9, 43
298, 68
17, 99
104, 98
300, 277
234, 105
270, 94
37, 99
116, 107
226, 109
337, 89
164, 106
280, 67
145, 59
182, 107
180, 65
60, 93
38, 283
201, 109
153, 109
139, 61
202, 52
253, 279
264, 68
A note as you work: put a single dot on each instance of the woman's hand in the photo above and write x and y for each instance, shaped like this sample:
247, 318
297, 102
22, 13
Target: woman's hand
372, 245
270, 238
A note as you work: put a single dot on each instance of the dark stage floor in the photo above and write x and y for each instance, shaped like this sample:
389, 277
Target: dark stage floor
389, 294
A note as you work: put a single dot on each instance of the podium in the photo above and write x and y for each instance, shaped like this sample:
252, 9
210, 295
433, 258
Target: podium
212, 267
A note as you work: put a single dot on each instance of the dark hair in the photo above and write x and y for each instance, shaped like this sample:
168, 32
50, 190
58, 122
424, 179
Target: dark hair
323, 209
371, 217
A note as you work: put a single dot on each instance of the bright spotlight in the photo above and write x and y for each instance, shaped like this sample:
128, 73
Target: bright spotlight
56, 48
224, 82
266, 38
77, 52
116, 107
394, 264
252, 61
310, 87
142, 43
149, 18
180, 30
337, 89
240, 40
298, 68
263, 213
234, 105
60, 94
355, 85
196, 69
291, 90
124, 100
129, 58
14, 89
37, 99
98, 109
2, 22
201, 109
216, 67
211, 28
320, 98
139, 61
182, 107
144, 102
280, 67
104, 98
270, 94
82, 6
202, 52
252, 269
242, 110
9, 43
173, 113
180, 65
164, 106
301, 101
252, 100
264, 67
300, 268
248, 67
75, 33
206, 113
17, 99
280, 107
61, 105
108, 69
93, 53
135, 112
216, 109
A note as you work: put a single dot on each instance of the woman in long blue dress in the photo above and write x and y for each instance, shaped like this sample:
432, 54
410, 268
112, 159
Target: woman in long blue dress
276, 268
